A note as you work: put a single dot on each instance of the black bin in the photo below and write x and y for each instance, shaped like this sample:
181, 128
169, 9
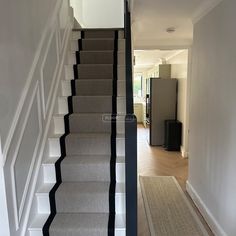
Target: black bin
173, 135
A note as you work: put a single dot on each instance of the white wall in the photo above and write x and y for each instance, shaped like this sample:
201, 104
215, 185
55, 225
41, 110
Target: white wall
99, 13
212, 175
32, 44
19, 39
179, 71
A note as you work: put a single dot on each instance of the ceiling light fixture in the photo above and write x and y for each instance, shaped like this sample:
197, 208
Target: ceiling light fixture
171, 30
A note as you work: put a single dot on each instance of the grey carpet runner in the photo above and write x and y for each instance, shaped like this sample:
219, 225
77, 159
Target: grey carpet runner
82, 202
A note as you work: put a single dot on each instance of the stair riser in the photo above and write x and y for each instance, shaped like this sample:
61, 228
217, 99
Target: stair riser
96, 58
62, 106
49, 173
95, 71
92, 104
66, 88
80, 172
69, 72
93, 88
36, 233
118, 232
74, 45
89, 124
43, 203
88, 146
98, 72
89, 203
54, 147
59, 125
98, 203
99, 34
100, 45
77, 35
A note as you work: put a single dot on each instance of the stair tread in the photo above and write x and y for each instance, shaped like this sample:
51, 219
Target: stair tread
40, 219
86, 159
89, 114
78, 221
83, 187
88, 135
119, 159
91, 96
88, 187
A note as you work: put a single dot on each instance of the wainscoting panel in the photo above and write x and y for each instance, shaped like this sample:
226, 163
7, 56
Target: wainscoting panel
26, 143
49, 69
63, 21
25, 153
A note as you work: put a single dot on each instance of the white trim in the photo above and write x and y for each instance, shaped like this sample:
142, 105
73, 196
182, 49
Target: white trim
55, 71
28, 83
45, 103
184, 153
18, 211
206, 213
204, 9
45, 134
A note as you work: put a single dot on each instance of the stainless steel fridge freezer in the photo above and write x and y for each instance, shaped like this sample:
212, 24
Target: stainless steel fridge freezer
162, 106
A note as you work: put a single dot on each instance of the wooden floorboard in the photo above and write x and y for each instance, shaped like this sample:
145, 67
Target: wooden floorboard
155, 161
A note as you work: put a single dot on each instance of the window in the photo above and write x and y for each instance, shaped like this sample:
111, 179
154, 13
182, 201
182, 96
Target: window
137, 83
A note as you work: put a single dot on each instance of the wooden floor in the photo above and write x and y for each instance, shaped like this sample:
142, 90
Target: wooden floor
155, 161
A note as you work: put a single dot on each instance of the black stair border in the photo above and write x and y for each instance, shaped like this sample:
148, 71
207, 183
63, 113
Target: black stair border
52, 199
112, 189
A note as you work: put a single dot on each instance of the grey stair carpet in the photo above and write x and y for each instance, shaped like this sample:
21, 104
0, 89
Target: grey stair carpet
96, 44
92, 104
96, 87
83, 200
96, 57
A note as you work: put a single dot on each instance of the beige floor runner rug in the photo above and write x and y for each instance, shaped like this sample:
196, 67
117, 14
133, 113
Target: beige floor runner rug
168, 211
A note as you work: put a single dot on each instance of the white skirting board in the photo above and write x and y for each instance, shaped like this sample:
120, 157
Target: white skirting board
184, 153
207, 215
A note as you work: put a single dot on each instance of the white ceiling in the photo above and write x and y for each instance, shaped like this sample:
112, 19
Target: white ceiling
151, 18
147, 59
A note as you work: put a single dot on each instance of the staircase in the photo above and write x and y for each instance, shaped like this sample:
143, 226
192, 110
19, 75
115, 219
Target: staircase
89, 196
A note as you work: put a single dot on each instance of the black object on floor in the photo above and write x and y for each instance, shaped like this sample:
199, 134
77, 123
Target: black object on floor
173, 135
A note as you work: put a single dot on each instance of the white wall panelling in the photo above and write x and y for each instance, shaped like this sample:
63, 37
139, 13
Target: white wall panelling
49, 69
26, 144
25, 154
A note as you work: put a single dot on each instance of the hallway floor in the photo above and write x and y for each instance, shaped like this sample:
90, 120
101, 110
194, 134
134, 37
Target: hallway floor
155, 161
